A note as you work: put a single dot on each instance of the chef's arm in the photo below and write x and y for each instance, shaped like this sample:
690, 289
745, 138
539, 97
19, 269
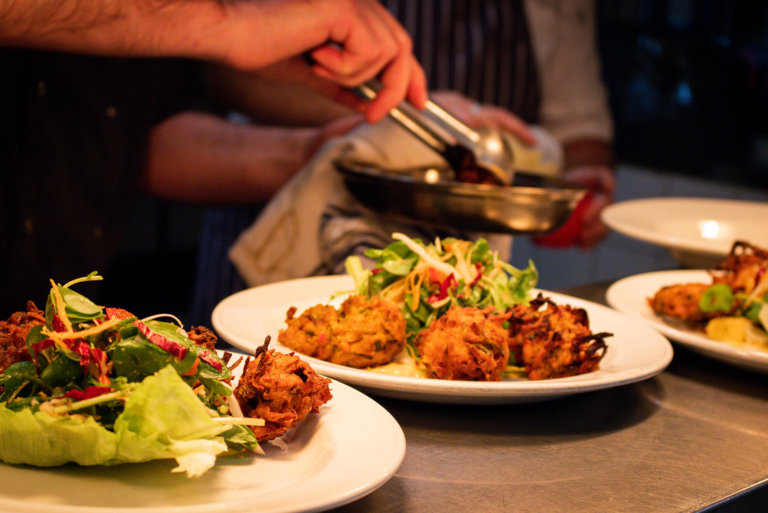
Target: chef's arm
243, 34
266, 98
200, 158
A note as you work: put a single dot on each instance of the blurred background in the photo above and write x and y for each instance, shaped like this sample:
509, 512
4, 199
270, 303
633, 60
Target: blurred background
688, 85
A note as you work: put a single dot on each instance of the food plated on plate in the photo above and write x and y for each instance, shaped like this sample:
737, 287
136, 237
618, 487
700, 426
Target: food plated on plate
98, 386
454, 311
731, 307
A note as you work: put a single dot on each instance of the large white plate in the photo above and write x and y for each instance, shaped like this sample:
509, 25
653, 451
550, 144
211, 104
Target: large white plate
635, 352
321, 468
629, 295
699, 232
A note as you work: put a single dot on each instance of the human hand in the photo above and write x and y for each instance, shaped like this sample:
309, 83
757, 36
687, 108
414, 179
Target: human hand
349, 42
600, 183
585, 228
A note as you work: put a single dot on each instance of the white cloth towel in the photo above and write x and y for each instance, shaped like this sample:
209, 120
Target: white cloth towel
313, 223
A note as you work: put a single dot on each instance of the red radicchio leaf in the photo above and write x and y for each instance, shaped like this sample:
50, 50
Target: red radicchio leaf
99, 359
118, 313
57, 324
160, 341
88, 393
205, 355
43, 344
443, 289
84, 350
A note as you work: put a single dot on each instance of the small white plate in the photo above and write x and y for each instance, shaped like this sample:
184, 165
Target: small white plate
699, 232
321, 468
635, 352
629, 295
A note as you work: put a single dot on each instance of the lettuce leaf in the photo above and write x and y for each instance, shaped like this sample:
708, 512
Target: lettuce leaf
162, 419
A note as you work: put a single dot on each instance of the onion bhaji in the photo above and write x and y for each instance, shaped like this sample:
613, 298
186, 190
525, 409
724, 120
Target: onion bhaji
554, 341
744, 269
13, 334
465, 343
281, 389
361, 333
681, 302
203, 336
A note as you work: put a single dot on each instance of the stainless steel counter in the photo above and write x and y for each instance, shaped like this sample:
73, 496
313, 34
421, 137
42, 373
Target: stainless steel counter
693, 438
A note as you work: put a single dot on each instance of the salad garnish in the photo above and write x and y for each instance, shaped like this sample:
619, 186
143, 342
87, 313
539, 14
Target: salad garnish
427, 279
102, 387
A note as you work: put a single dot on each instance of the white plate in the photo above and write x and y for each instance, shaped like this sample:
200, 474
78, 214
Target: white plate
698, 231
320, 469
629, 295
635, 352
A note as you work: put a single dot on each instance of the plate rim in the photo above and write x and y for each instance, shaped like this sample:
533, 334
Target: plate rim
610, 213
320, 500
472, 392
754, 359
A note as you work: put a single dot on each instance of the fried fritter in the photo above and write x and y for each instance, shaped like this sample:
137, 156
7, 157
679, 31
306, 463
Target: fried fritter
680, 301
13, 334
465, 343
745, 268
554, 341
361, 333
311, 332
281, 389
203, 336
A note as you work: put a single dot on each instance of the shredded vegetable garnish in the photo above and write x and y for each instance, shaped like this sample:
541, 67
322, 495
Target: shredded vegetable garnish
427, 279
87, 332
59, 306
239, 421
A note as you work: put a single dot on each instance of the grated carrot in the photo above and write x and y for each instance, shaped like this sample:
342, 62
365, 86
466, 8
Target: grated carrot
59, 306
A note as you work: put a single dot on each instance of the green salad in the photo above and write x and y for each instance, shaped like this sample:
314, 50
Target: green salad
427, 279
103, 387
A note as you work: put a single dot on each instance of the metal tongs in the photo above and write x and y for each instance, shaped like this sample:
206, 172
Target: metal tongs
474, 154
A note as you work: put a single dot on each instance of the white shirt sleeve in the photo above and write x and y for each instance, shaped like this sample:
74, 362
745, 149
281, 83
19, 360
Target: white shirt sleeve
574, 100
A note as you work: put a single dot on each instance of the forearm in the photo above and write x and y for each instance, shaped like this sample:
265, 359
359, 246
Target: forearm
247, 34
270, 102
201, 158
112, 27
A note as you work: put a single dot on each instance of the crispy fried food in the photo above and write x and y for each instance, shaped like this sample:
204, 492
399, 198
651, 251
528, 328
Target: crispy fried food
311, 332
744, 268
281, 389
361, 333
465, 344
681, 301
554, 341
13, 334
203, 336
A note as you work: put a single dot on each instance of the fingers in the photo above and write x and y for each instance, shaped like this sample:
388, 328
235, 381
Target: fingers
371, 43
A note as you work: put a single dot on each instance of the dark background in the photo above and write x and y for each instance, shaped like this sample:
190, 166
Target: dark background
687, 83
